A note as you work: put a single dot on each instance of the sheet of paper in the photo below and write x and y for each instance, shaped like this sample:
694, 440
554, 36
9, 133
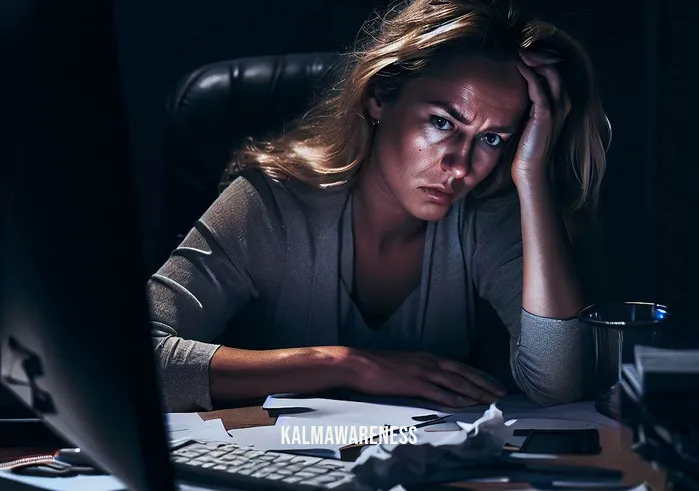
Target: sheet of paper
209, 431
182, 421
319, 410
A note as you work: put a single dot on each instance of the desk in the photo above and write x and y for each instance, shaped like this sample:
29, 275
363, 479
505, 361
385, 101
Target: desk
615, 443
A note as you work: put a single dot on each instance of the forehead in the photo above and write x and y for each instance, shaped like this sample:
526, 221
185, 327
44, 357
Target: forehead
474, 84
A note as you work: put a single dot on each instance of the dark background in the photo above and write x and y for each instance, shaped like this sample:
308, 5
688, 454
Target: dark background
633, 45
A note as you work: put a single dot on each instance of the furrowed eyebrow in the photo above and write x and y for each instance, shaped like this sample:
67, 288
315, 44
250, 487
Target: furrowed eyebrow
459, 116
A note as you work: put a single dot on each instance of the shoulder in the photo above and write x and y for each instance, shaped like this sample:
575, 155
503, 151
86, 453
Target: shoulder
256, 199
248, 199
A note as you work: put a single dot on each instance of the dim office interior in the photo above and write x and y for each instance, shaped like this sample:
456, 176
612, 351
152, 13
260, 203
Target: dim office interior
123, 121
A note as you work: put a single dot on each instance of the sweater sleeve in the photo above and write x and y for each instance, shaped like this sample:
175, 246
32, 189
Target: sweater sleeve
213, 273
552, 360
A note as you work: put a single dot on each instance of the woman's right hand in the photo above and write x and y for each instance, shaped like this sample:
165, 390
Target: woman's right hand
423, 375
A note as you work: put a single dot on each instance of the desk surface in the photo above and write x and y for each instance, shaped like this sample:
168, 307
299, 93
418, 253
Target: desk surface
615, 442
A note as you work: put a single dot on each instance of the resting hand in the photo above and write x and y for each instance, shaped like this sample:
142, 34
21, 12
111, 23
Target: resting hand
423, 375
550, 106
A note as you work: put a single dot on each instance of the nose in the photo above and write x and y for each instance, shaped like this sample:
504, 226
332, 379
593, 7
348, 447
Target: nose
457, 160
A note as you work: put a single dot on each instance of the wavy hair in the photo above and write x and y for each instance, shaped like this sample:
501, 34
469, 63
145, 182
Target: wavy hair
328, 144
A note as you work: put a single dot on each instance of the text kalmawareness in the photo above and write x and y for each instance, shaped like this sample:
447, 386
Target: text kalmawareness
347, 435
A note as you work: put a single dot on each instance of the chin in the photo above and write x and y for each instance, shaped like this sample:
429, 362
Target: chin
430, 212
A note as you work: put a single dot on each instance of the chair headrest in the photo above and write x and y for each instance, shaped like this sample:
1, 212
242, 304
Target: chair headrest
214, 108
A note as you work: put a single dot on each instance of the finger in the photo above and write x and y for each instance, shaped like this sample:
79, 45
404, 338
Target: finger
557, 92
542, 106
553, 80
475, 377
454, 382
426, 390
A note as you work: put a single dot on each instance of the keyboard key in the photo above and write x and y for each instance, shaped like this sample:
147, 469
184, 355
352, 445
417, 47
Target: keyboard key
333, 464
217, 453
292, 480
304, 460
187, 453
262, 473
228, 447
337, 484
318, 480
229, 457
305, 475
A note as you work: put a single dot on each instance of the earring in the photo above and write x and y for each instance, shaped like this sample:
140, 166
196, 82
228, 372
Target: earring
374, 122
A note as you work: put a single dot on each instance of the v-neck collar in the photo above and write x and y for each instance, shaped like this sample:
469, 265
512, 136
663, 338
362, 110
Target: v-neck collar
347, 268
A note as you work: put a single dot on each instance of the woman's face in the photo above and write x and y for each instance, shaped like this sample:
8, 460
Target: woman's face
445, 133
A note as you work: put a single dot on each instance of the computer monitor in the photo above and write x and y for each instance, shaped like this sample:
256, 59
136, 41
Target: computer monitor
74, 337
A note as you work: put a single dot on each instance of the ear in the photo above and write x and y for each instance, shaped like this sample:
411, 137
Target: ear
374, 103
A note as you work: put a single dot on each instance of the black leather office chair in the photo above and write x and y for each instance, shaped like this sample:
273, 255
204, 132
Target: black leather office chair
210, 113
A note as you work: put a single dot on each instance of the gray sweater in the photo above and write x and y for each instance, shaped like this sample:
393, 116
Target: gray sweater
267, 267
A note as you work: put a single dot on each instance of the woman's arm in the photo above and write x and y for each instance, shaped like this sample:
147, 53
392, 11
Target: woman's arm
551, 358
530, 279
238, 374
551, 287
233, 253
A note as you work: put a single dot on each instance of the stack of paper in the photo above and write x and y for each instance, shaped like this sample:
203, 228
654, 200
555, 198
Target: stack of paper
664, 371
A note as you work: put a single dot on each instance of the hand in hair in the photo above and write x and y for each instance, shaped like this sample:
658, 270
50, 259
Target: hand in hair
422, 375
550, 106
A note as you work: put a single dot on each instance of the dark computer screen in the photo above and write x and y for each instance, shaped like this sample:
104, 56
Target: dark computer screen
74, 338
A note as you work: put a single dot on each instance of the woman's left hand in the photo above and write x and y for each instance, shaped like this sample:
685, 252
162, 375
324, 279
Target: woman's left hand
549, 110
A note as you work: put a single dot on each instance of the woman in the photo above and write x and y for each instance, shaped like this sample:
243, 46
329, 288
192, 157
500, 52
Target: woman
451, 163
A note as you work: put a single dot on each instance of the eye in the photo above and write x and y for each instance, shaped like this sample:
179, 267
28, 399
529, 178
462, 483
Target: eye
492, 139
441, 123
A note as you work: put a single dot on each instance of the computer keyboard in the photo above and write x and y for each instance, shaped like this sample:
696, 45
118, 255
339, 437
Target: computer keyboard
233, 466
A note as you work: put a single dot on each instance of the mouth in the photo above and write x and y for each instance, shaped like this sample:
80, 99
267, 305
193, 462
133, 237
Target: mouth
438, 194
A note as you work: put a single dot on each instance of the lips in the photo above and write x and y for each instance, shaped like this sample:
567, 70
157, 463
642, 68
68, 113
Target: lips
438, 195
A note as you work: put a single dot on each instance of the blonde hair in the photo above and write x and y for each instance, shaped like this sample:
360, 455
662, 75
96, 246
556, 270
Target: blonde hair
327, 145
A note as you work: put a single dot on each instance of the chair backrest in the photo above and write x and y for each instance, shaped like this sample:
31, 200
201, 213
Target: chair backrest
210, 113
